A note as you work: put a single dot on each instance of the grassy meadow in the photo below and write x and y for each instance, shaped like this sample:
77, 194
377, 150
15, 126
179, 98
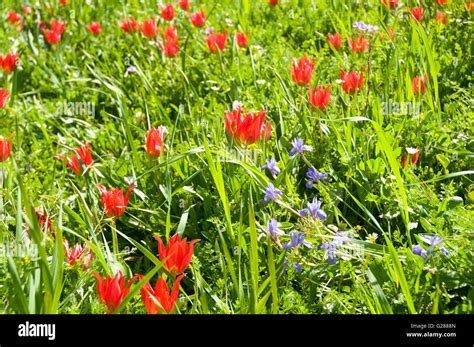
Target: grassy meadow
259, 181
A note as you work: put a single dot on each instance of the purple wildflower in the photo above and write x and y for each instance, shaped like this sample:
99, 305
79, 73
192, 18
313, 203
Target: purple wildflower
298, 267
271, 193
331, 246
272, 166
418, 250
365, 27
273, 228
314, 176
299, 147
314, 209
297, 239
434, 242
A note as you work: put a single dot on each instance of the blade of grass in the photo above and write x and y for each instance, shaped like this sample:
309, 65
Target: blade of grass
397, 266
253, 253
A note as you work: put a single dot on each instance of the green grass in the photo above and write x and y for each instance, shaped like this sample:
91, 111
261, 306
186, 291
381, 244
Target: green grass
208, 187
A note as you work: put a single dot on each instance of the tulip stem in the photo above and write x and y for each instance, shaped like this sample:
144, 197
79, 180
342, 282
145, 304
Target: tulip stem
368, 79
221, 62
114, 239
320, 129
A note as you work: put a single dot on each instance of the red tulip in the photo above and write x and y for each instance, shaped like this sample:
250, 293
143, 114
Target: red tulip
171, 34
171, 45
320, 97
351, 81
410, 152
178, 253
63, 2
4, 93
441, 17
390, 4
335, 40
113, 201
77, 254
44, 221
13, 17
302, 71
403, 161
94, 28
148, 28
154, 141
170, 49
418, 85
358, 45
167, 12
442, 2
273, 2
216, 41
129, 24
198, 19
112, 290
9, 62
249, 129
57, 27
417, 13
161, 295
53, 36
242, 40
5, 148
184, 4
469, 5
85, 155
414, 159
